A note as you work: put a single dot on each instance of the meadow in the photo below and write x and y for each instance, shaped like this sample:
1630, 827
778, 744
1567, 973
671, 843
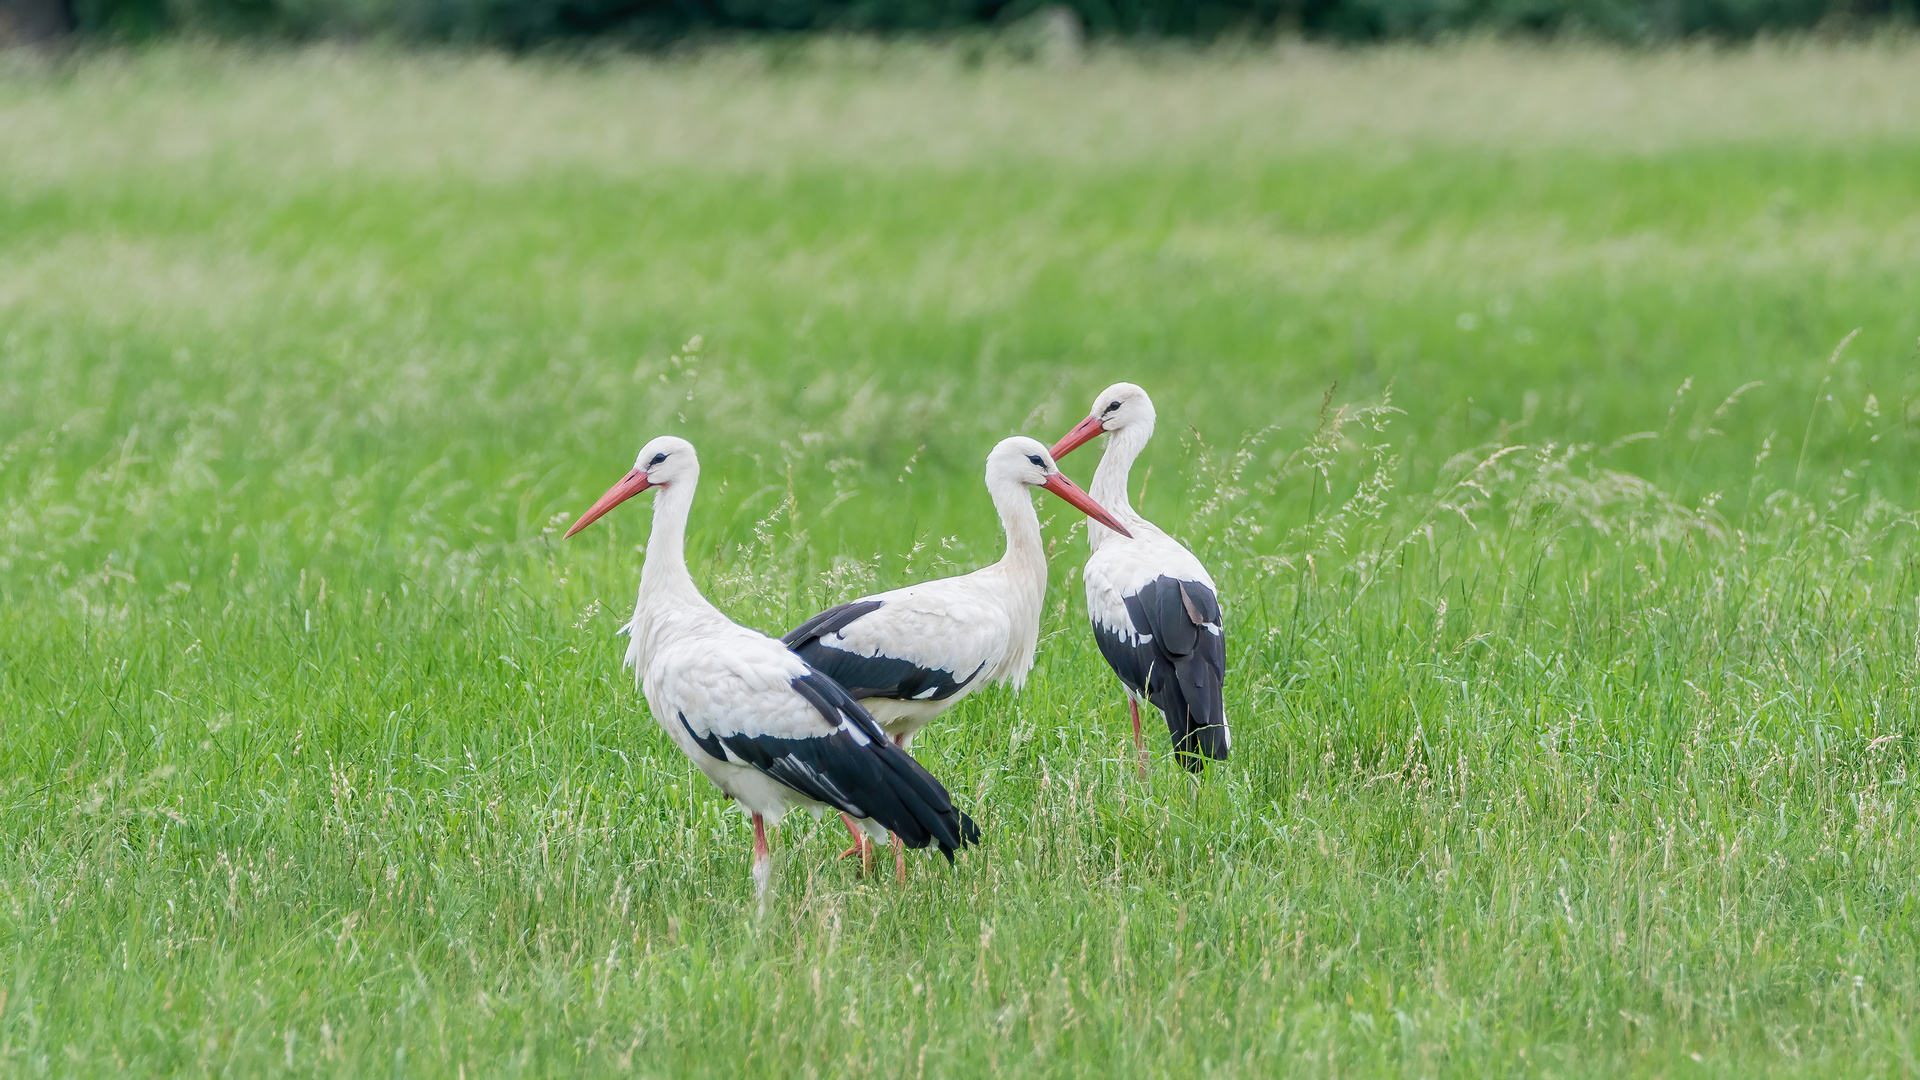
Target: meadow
1549, 416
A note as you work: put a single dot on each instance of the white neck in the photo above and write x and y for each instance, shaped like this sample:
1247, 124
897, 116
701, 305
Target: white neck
1023, 569
666, 562
1025, 559
1110, 481
668, 599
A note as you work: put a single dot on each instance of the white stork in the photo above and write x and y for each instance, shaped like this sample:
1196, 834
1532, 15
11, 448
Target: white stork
769, 730
1153, 606
913, 653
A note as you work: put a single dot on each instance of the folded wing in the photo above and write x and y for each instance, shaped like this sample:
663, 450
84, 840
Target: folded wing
1165, 641
809, 734
901, 647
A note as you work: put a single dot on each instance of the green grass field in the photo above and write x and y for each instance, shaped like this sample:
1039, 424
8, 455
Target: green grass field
1574, 616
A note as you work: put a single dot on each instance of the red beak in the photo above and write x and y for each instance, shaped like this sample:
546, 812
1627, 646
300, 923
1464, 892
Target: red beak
630, 485
1083, 502
1078, 437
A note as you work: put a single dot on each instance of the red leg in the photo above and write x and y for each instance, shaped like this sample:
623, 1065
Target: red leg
762, 861
899, 849
861, 845
859, 840
1139, 740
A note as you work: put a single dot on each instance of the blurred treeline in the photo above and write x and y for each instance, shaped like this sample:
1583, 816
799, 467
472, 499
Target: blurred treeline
533, 23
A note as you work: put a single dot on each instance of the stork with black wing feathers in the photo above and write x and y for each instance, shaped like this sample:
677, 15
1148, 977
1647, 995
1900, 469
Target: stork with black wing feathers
769, 730
1154, 609
911, 654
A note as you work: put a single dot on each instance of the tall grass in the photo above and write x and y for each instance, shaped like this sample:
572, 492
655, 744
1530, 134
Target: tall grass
1569, 568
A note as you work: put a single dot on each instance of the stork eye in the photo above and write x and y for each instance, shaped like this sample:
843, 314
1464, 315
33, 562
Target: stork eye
657, 459
1035, 458
1112, 405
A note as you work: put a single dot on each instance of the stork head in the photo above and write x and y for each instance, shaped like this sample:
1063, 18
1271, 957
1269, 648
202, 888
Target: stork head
666, 460
1021, 460
1120, 406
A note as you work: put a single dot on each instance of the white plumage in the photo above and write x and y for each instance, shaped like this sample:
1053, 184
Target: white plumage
1125, 570
1153, 606
910, 654
724, 681
968, 630
763, 726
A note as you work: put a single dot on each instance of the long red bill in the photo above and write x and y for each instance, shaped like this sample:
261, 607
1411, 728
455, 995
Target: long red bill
1078, 437
1083, 502
630, 485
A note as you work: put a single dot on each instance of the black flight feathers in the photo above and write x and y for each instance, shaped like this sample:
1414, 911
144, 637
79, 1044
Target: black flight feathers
869, 676
1182, 669
871, 779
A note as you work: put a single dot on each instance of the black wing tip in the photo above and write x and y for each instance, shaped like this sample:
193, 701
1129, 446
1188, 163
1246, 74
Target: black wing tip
831, 621
908, 800
1203, 746
943, 823
969, 836
1198, 763
969, 833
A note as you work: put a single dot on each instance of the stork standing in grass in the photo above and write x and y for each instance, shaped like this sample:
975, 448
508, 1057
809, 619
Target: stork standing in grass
769, 730
1153, 607
913, 653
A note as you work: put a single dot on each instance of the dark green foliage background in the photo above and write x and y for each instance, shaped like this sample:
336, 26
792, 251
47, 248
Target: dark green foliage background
529, 23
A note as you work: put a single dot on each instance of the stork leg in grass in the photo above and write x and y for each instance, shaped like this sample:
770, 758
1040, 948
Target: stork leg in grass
762, 859
769, 730
1139, 739
863, 847
1155, 613
911, 654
